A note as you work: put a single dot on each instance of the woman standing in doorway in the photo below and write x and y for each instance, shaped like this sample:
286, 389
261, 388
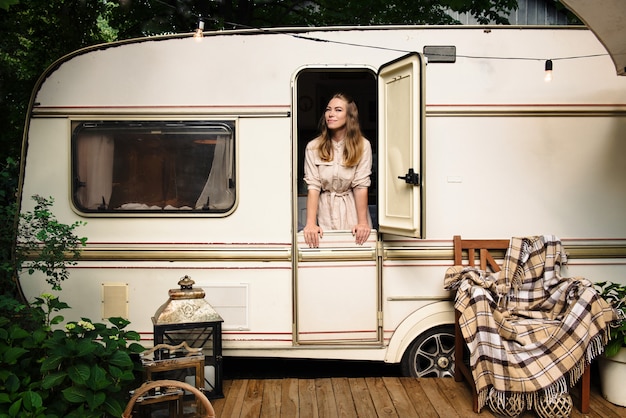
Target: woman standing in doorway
337, 169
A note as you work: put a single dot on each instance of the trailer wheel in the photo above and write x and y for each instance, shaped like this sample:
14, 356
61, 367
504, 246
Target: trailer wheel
431, 354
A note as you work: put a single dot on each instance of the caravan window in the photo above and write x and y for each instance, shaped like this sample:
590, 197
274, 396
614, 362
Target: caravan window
153, 167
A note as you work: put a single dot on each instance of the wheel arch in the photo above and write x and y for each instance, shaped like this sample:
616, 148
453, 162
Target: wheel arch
423, 319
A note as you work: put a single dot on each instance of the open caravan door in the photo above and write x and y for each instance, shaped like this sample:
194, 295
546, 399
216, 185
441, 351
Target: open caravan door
400, 138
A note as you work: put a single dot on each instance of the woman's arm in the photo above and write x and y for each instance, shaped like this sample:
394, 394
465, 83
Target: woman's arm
360, 185
312, 232
362, 229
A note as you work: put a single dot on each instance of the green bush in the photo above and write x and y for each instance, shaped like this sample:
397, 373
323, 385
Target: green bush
615, 295
44, 244
8, 187
82, 370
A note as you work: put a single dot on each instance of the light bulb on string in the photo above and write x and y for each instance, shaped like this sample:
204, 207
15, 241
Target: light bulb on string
199, 33
548, 74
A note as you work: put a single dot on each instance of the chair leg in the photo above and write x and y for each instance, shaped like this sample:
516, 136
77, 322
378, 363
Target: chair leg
458, 348
585, 389
460, 371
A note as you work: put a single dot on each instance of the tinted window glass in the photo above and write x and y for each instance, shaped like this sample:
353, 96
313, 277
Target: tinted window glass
153, 167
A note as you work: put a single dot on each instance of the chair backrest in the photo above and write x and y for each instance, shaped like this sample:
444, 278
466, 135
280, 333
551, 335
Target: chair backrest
483, 247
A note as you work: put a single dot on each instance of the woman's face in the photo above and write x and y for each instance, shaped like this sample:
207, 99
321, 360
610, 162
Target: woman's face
336, 114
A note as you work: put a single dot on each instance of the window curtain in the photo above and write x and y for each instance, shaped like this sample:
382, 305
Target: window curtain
217, 187
95, 170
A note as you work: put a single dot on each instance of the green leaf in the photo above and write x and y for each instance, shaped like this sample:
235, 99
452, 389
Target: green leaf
75, 394
132, 335
113, 407
13, 353
98, 379
32, 400
121, 359
86, 346
116, 372
79, 373
4, 398
136, 348
17, 333
94, 400
6, 3
15, 408
127, 376
12, 384
52, 362
612, 348
53, 379
39, 335
119, 322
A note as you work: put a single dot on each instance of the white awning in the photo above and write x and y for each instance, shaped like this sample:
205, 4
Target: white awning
607, 20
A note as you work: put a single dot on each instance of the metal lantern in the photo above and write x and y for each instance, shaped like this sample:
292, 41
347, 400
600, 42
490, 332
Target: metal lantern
188, 317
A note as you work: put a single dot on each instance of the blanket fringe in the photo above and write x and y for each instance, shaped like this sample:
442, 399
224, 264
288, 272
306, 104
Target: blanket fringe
529, 400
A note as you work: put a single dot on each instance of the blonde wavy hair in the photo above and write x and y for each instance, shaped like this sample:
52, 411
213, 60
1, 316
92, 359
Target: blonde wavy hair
353, 149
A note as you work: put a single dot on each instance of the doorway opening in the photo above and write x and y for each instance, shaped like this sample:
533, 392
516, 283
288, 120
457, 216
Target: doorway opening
314, 88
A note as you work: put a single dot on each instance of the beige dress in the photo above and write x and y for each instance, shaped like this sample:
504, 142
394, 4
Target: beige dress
337, 207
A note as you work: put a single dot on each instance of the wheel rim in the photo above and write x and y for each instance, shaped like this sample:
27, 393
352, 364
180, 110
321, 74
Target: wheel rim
434, 356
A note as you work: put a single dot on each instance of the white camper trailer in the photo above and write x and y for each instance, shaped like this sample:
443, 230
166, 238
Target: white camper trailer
185, 157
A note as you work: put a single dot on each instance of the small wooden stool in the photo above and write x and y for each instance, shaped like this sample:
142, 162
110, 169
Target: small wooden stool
194, 359
202, 400
174, 398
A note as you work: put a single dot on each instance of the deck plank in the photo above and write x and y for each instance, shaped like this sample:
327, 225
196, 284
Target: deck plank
343, 397
218, 404
272, 399
290, 400
601, 408
325, 395
362, 399
399, 397
251, 407
438, 399
308, 401
419, 399
380, 396
458, 395
234, 401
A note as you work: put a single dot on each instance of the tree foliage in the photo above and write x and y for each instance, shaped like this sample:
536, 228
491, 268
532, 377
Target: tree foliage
148, 17
33, 34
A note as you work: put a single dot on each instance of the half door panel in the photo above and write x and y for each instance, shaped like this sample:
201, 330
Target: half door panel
337, 291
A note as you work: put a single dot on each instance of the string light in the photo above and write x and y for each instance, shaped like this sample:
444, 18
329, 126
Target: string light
548, 65
548, 75
199, 33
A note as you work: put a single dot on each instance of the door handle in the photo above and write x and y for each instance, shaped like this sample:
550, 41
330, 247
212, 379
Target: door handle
411, 177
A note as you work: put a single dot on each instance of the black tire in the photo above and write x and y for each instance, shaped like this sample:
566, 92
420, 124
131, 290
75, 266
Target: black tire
431, 354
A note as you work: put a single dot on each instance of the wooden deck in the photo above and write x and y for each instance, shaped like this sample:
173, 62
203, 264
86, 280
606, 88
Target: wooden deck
365, 397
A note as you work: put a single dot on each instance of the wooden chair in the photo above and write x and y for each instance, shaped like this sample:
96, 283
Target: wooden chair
480, 254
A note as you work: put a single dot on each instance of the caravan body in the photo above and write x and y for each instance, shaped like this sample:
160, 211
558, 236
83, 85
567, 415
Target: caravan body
185, 158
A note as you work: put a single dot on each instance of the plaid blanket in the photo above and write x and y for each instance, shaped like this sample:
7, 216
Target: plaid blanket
530, 332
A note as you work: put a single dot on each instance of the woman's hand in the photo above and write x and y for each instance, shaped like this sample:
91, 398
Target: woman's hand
312, 235
361, 232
